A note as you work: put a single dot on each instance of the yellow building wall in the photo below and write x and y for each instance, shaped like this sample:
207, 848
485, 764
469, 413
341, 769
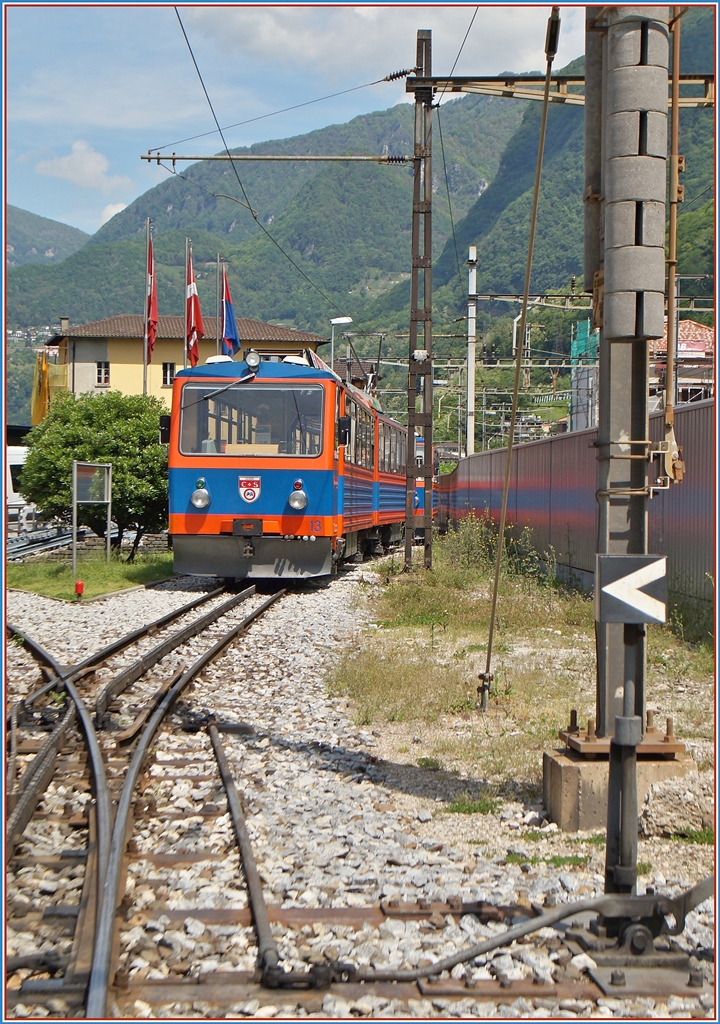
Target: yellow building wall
126, 364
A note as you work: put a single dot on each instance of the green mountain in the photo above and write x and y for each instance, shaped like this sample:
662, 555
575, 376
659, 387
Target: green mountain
498, 222
33, 239
346, 225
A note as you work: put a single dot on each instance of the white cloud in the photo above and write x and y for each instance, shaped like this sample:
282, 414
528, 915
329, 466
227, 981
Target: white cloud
109, 211
84, 167
365, 42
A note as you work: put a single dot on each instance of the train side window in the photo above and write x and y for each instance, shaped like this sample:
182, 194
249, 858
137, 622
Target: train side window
350, 411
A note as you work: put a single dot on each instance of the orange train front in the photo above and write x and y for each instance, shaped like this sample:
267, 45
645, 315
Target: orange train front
279, 469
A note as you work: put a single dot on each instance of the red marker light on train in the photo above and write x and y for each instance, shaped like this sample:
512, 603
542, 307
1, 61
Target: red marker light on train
298, 485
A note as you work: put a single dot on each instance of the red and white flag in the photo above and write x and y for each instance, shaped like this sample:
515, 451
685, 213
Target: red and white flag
151, 311
195, 329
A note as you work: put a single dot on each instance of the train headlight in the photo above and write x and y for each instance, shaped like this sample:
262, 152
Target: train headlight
298, 500
252, 358
200, 497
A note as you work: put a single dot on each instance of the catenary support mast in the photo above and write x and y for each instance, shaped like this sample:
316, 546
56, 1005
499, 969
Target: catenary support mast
625, 147
420, 348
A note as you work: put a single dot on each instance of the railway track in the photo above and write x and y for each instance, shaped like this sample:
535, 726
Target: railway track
247, 833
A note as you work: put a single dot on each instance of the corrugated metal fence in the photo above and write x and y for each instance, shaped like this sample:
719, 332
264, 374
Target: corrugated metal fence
552, 491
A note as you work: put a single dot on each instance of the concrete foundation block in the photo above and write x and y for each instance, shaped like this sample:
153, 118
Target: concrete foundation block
575, 789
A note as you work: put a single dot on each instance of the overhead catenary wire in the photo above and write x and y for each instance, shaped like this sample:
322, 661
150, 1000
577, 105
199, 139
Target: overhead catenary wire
447, 189
551, 40
296, 106
247, 203
442, 146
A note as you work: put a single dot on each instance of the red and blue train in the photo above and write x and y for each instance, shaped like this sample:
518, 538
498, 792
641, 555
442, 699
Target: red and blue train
277, 468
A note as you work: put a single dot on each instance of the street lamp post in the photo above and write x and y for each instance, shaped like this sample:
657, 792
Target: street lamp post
337, 320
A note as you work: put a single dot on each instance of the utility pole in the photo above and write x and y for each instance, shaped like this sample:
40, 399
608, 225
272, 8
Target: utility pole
674, 468
420, 349
471, 336
148, 285
217, 306
626, 58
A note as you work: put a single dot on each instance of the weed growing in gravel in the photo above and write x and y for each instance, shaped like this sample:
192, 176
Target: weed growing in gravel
569, 860
466, 805
644, 867
597, 840
430, 763
555, 861
703, 837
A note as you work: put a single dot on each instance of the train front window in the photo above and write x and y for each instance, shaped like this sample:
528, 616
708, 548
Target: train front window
250, 420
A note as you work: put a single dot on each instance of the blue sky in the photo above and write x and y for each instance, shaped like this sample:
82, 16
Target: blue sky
91, 87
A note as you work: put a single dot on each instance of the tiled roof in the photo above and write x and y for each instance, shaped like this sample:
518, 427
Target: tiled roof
358, 371
130, 325
693, 339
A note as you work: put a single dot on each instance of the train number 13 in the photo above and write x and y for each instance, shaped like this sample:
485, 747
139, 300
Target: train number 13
315, 526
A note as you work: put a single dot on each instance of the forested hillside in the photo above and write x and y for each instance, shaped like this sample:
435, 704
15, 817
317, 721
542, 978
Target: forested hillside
33, 239
347, 226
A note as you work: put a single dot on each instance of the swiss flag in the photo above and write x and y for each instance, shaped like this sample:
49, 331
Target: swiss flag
195, 329
152, 309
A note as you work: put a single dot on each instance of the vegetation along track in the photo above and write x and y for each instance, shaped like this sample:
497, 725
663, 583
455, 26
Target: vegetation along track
339, 887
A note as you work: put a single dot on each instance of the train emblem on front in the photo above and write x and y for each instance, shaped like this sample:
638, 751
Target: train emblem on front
249, 488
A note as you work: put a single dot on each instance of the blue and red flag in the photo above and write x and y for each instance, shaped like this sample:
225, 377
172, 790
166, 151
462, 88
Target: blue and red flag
230, 338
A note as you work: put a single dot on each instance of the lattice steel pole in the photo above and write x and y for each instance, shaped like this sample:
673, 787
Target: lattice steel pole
420, 349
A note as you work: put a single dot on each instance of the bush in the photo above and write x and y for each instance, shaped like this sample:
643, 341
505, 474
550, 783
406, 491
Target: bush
110, 427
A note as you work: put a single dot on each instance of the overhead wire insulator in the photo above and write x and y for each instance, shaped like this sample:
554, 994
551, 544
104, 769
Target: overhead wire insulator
399, 74
399, 159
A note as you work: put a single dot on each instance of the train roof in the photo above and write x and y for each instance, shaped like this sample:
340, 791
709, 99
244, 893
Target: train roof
265, 371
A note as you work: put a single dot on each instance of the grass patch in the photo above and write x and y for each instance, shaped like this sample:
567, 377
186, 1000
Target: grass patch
401, 682
703, 837
574, 860
423, 666
555, 861
644, 867
54, 579
464, 805
596, 840
430, 763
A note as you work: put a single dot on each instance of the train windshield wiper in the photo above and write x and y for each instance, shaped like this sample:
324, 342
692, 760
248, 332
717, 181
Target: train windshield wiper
217, 391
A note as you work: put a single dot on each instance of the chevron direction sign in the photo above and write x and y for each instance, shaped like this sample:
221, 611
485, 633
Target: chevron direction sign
631, 588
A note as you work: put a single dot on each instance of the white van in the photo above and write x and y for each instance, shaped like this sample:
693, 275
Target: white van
19, 512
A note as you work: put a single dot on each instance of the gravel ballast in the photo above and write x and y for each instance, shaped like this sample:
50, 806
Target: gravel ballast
332, 824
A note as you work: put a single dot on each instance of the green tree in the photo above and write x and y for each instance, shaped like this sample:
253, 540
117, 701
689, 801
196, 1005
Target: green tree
19, 370
110, 427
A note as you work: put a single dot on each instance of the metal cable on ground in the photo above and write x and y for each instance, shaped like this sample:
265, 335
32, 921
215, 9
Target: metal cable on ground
268, 955
242, 187
102, 951
551, 41
611, 905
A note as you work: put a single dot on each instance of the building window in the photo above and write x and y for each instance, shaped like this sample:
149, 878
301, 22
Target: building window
103, 374
168, 374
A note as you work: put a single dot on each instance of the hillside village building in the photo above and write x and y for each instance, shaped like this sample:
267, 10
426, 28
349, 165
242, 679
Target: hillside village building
108, 354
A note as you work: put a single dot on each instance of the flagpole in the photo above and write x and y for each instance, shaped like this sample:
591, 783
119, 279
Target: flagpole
217, 306
187, 242
148, 285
